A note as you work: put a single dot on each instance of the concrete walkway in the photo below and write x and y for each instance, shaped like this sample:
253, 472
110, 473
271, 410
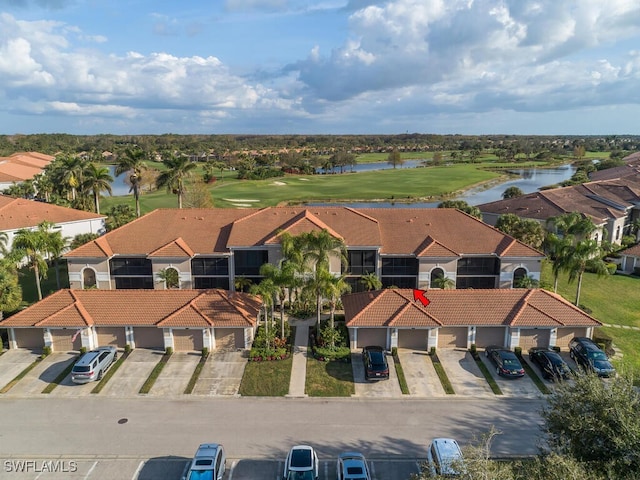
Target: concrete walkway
299, 366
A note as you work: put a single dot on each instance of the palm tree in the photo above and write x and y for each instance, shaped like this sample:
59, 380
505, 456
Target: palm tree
316, 286
319, 246
279, 279
132, 162
445, 283
97, 179
10, 290
266, 290
56, 245
334, 289
71, 171
371, 281
178, 169
580, 257
554, 248
573, 223
32, 245
241, 283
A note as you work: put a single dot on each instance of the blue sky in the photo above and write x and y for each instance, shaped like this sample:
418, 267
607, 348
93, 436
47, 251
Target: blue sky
323, 67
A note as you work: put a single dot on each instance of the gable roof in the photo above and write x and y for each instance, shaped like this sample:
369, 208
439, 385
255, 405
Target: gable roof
16, 213
500, 307
162, 308
23, 166
633, 251
412, 231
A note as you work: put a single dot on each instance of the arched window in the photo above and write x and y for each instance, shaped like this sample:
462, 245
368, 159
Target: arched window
89, 278
437, 277
171, 277
518, 275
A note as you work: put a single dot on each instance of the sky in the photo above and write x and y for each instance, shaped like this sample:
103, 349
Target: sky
529, 67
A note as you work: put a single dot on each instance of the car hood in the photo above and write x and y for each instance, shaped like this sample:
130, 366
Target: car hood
602, 365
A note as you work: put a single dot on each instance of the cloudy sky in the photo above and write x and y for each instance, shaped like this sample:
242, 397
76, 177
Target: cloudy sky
320, 66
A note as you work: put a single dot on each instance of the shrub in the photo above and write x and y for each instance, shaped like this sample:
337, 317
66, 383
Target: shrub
46, 351
636, 271
432, 351
205, 352
127, 348
555, 348
394, 352
599, 337
168, 351
612, 268
518, 351
328, 354
264, 354
83, 350
473, 349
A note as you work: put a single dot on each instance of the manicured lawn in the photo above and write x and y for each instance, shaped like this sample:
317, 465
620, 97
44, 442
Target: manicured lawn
329, 379
266, 378
48, 285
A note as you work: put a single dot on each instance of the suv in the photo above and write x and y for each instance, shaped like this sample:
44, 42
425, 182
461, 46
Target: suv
375, 363
301, 464
352, 466
93, 364
444, 458
587, 354
209, 463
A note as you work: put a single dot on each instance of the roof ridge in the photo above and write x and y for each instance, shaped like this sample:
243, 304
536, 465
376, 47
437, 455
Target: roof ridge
364, 215
411, 305
565, 302
428, 244
373, 301
519, 306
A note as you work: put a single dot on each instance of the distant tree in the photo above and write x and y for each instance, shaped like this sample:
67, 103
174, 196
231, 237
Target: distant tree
97, 179
174, 177
81, 239
445, 283
394, 159
512, 192
198, 196
132, 162
32, 245
583, 256
463, 206
119, 215
10, 289
170, 277
579, 151
437, 159
526, 230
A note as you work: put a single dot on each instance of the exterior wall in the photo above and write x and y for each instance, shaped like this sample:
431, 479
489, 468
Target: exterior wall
100, 265
427, 265
509, 265
70, 229
612, 226
182, 265
629, 263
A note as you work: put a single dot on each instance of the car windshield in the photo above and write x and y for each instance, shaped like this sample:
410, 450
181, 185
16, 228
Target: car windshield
511, 362
377, 358
602, 364
308, 475
597, 355
200, 475
301, 458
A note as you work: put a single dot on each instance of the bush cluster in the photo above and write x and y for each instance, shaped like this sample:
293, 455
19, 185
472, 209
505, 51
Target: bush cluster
268, 354
328, 354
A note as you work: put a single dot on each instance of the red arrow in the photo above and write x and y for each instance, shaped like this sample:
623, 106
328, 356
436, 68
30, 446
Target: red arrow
419, 295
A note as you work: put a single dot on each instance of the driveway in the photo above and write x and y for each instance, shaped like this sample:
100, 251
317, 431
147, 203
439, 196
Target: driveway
382, 388
132, 373
176, 374
463, 372
420, 374
44, 373
512, 387
222, 374
14, 361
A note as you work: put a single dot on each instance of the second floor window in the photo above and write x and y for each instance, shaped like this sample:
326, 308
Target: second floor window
361, 262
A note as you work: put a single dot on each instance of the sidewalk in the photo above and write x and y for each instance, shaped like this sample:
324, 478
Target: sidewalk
299, 367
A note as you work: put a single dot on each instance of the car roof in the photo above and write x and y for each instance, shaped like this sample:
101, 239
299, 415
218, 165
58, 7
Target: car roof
205, 456
354, 465
301, 457
447, 447
87, 358
374, 348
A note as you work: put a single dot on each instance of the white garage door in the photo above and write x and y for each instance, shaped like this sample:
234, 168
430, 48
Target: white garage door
187, 340
452, 337
32, 338
63, 341
486, 336
148, 337
372, 336
564, 336
415, 339
111, 336
534, 337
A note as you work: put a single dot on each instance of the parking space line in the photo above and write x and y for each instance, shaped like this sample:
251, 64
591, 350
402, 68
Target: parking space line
372, 467
90, 470
138, 470
233, 466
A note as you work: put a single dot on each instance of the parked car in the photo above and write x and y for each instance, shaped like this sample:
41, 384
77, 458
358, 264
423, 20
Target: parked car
444, 458
375, 362
301, 464
92, 365
505, 361
352, 466
209, 463
589, 356
550, 362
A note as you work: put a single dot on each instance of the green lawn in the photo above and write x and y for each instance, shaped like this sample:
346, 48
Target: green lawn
329, 379
49, 285
266, 378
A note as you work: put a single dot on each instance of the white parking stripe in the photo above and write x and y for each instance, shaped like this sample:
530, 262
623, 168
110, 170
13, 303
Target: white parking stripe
372, 467
233, 466
326, 469
90, 470
137, 472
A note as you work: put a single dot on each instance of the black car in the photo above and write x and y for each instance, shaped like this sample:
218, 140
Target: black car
375, 363
505, 361
550, 362
587, 354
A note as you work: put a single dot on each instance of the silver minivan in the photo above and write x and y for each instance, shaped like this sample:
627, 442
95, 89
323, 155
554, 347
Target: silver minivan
92, 365
445, 458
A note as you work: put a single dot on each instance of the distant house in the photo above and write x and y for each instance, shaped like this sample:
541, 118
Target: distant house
459, 318
630, 259
211, 248
19, 213
22, 166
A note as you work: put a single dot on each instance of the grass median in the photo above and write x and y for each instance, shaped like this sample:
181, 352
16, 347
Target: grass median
495, 388
155, 373
20, 376
61, 376
196, 374
110, 373
442, 374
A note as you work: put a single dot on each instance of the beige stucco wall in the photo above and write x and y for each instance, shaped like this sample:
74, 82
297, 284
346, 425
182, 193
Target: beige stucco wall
509, 265
427, 265
182, 265
100, 266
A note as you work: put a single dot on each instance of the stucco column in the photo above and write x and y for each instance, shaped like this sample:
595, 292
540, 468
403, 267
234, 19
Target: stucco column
513, 337
87, 339
432, 338
553, 337
129, 338
394, 338
167, 333
12, 339
471, 336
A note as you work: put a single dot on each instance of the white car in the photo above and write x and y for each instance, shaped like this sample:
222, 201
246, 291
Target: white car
301, 464
352, 466
209, 463
445, 458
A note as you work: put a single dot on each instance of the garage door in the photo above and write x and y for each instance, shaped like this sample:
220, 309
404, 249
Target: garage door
226, 338
486, 336
534, 337
415, 339
372, 336
111, 336
187, 340
452, 337
32, 338
63, 341
148, 337
564, 336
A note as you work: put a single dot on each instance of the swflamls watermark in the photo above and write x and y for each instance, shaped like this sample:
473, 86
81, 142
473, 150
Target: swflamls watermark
40, 466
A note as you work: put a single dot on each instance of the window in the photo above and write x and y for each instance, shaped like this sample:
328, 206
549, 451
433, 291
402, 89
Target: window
399, 282
210, 266
361, 261
479, 266
134, 283
399, 266
248, 262
211, 282
89, 278
518, 275
130, 266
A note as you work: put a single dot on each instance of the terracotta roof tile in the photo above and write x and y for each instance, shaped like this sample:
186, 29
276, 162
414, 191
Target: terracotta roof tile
633, 251
16, 213
184, 308
177, 248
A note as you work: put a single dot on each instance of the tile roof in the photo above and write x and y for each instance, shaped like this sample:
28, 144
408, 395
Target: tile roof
16, 213
500, 307
23, 166
420, 231
162, 308
633, 251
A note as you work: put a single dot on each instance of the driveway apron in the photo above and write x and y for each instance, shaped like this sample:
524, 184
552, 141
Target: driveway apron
512, 387
133, 372
43, 374
463, 372
421, 376
14, 361
222, 374
381, 388
176, 374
